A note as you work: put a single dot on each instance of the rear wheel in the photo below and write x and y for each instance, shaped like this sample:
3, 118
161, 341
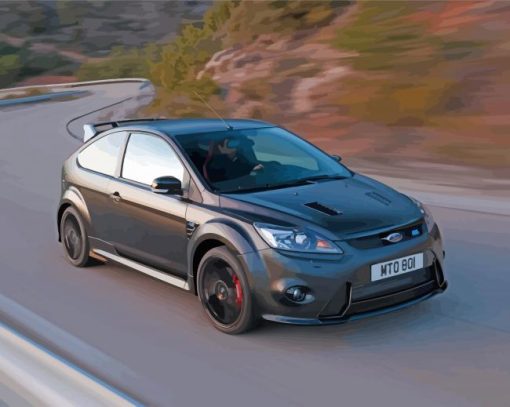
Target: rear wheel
224, 292
74, 239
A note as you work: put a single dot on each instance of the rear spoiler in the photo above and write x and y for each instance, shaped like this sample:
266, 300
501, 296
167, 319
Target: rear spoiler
91, 130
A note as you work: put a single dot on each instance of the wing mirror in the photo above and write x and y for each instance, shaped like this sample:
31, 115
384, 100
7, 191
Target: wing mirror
167, 185
336, 157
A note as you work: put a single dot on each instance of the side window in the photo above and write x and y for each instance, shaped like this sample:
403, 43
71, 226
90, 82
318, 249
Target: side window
148, 157
102, 155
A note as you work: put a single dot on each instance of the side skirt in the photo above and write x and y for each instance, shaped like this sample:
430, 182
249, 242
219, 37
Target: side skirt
167, 278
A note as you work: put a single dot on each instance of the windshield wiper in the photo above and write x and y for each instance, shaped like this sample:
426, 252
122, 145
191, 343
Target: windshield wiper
306, 180
288, 184
321, 177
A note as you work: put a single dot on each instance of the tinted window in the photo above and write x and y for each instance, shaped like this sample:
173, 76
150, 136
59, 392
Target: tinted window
148, 157
268, 147
241, 160
102, 155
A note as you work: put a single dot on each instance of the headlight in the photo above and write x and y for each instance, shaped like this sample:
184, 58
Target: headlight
295, 239
427, 215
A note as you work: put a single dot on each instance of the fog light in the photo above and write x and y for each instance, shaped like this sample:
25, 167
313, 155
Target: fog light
296, 294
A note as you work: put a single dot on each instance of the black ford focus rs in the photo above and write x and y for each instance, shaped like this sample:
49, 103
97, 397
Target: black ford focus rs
254, 220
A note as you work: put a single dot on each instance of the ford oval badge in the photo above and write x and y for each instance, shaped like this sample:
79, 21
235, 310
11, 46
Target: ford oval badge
394, 237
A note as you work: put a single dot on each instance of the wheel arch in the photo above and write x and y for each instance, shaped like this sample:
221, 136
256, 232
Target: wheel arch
72, 197
214, 234
200, 251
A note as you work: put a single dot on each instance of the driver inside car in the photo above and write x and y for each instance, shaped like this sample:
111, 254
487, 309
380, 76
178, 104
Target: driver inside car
226, 161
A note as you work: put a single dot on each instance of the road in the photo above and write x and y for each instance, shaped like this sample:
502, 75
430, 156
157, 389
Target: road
153, 341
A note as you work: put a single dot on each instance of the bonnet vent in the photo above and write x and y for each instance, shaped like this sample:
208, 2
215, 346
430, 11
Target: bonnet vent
322, 208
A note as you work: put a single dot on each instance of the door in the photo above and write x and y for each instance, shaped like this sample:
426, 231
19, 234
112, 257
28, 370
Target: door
100, 161
149, 227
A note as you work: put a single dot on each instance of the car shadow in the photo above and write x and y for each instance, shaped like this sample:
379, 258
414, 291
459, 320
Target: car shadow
416, 324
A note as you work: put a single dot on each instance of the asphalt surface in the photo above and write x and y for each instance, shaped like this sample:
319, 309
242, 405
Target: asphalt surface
154, 342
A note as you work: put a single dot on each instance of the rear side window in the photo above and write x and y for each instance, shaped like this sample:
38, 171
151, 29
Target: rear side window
148, 157
102, 156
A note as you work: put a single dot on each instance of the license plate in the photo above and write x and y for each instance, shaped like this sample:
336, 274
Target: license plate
396, 267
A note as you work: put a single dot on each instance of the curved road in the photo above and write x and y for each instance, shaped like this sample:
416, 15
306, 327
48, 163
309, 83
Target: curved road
153, 341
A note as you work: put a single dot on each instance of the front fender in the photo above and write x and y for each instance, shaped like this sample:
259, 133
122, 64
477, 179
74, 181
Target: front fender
236, 237
239, 238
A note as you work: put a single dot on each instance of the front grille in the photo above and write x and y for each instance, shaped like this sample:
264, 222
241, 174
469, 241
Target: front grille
373, 241
387, 293
392, 285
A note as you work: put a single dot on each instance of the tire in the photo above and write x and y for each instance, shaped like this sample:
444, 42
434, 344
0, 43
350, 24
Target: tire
74, 238
224, 292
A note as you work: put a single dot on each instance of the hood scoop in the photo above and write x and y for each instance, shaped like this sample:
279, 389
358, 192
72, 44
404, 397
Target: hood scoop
323, 208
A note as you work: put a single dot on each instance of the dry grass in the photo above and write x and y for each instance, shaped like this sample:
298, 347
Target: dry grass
24, 93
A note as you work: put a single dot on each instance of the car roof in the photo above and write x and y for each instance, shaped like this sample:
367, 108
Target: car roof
177, 127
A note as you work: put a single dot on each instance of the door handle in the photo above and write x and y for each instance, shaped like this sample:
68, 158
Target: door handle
115, 196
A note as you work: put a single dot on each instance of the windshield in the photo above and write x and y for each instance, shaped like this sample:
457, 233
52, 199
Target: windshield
253, 159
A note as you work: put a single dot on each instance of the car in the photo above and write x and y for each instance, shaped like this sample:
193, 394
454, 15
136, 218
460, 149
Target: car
253, 219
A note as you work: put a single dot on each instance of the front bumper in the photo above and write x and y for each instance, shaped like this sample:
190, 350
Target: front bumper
341, 285
370, 307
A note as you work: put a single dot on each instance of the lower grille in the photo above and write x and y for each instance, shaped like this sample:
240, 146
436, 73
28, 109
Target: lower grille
371, 304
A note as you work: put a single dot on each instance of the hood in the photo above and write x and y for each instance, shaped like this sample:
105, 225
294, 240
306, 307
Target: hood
344, 208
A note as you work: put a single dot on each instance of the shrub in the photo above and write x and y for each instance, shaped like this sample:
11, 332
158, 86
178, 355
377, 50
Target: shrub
10, 67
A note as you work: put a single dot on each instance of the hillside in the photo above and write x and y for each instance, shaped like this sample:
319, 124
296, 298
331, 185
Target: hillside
399, 80
93, 27
53, 37
393, 80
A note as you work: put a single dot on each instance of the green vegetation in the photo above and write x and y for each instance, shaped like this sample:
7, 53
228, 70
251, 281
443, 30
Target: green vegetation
182, 59
175, 74
18, 63
72, 13
92, 27
121, 63
324, 65
30, 17
174, 67
253, 18
10, 67
405, 71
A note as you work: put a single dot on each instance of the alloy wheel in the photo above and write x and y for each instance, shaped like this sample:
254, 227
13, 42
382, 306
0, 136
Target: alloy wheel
222, 292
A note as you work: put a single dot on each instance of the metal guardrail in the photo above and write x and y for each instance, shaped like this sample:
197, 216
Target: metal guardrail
40, 98
145, 82
36, 372
76, 84
40, 375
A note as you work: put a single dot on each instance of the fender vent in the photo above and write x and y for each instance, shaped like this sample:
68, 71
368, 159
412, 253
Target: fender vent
190, 228
323, 208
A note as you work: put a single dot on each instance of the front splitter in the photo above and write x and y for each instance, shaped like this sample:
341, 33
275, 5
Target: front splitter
343, 319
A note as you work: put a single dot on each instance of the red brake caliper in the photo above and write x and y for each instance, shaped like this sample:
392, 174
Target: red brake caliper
239, 290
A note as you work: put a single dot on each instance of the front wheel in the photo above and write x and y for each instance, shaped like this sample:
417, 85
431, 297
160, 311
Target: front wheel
224, 292
74, 238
